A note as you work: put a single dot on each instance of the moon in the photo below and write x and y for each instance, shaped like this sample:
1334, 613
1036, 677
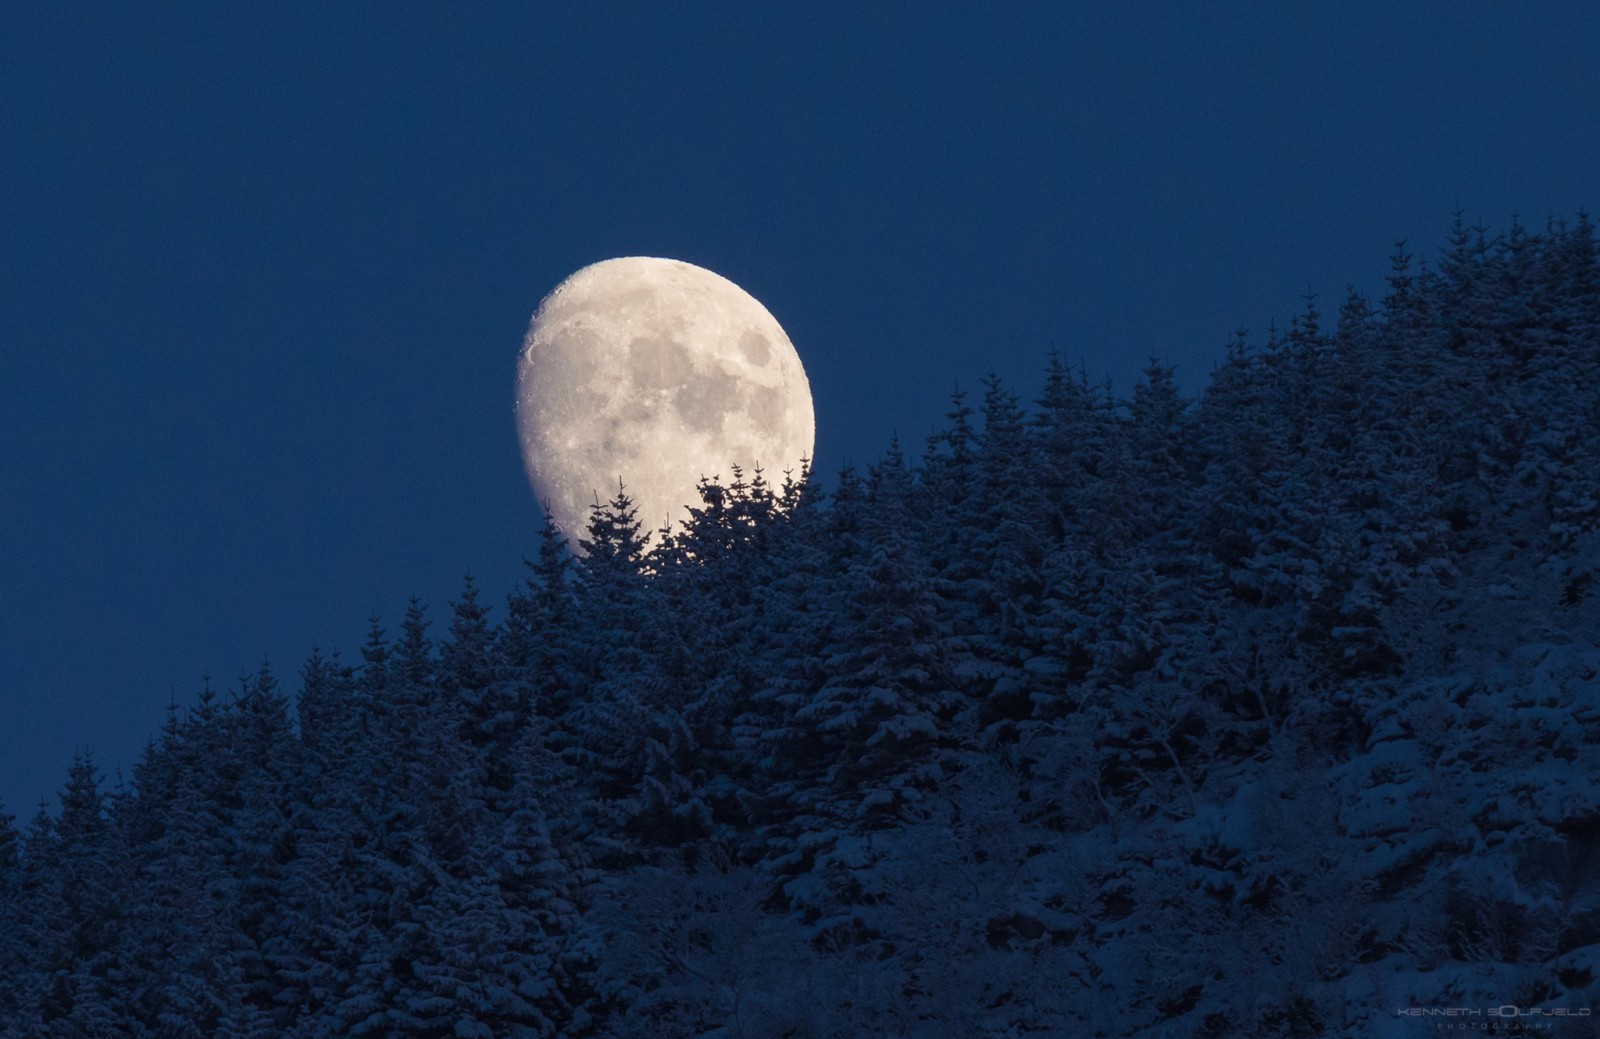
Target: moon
657, 373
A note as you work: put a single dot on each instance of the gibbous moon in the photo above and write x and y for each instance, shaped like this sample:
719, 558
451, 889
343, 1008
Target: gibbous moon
656, 372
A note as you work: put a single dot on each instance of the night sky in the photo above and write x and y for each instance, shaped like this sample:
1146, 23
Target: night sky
264, 269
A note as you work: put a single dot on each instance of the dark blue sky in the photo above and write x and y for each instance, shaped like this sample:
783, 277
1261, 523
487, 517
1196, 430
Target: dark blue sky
264, 268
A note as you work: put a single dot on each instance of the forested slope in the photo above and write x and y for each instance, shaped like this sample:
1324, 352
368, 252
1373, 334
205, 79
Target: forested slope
1264, 714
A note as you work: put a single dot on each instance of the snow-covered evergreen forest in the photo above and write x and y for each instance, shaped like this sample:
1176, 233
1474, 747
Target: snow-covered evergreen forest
1268, 713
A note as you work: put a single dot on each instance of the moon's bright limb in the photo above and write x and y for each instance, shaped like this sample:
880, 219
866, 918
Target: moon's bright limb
656, 372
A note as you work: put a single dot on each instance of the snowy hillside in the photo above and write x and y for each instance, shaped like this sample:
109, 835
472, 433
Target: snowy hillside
1272, 713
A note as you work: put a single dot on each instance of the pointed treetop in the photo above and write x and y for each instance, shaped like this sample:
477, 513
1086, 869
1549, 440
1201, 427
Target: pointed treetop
615, 542
469, 619
415, 652
798, 488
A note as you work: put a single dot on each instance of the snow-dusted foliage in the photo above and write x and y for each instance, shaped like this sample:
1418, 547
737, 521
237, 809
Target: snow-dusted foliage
1272, 713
